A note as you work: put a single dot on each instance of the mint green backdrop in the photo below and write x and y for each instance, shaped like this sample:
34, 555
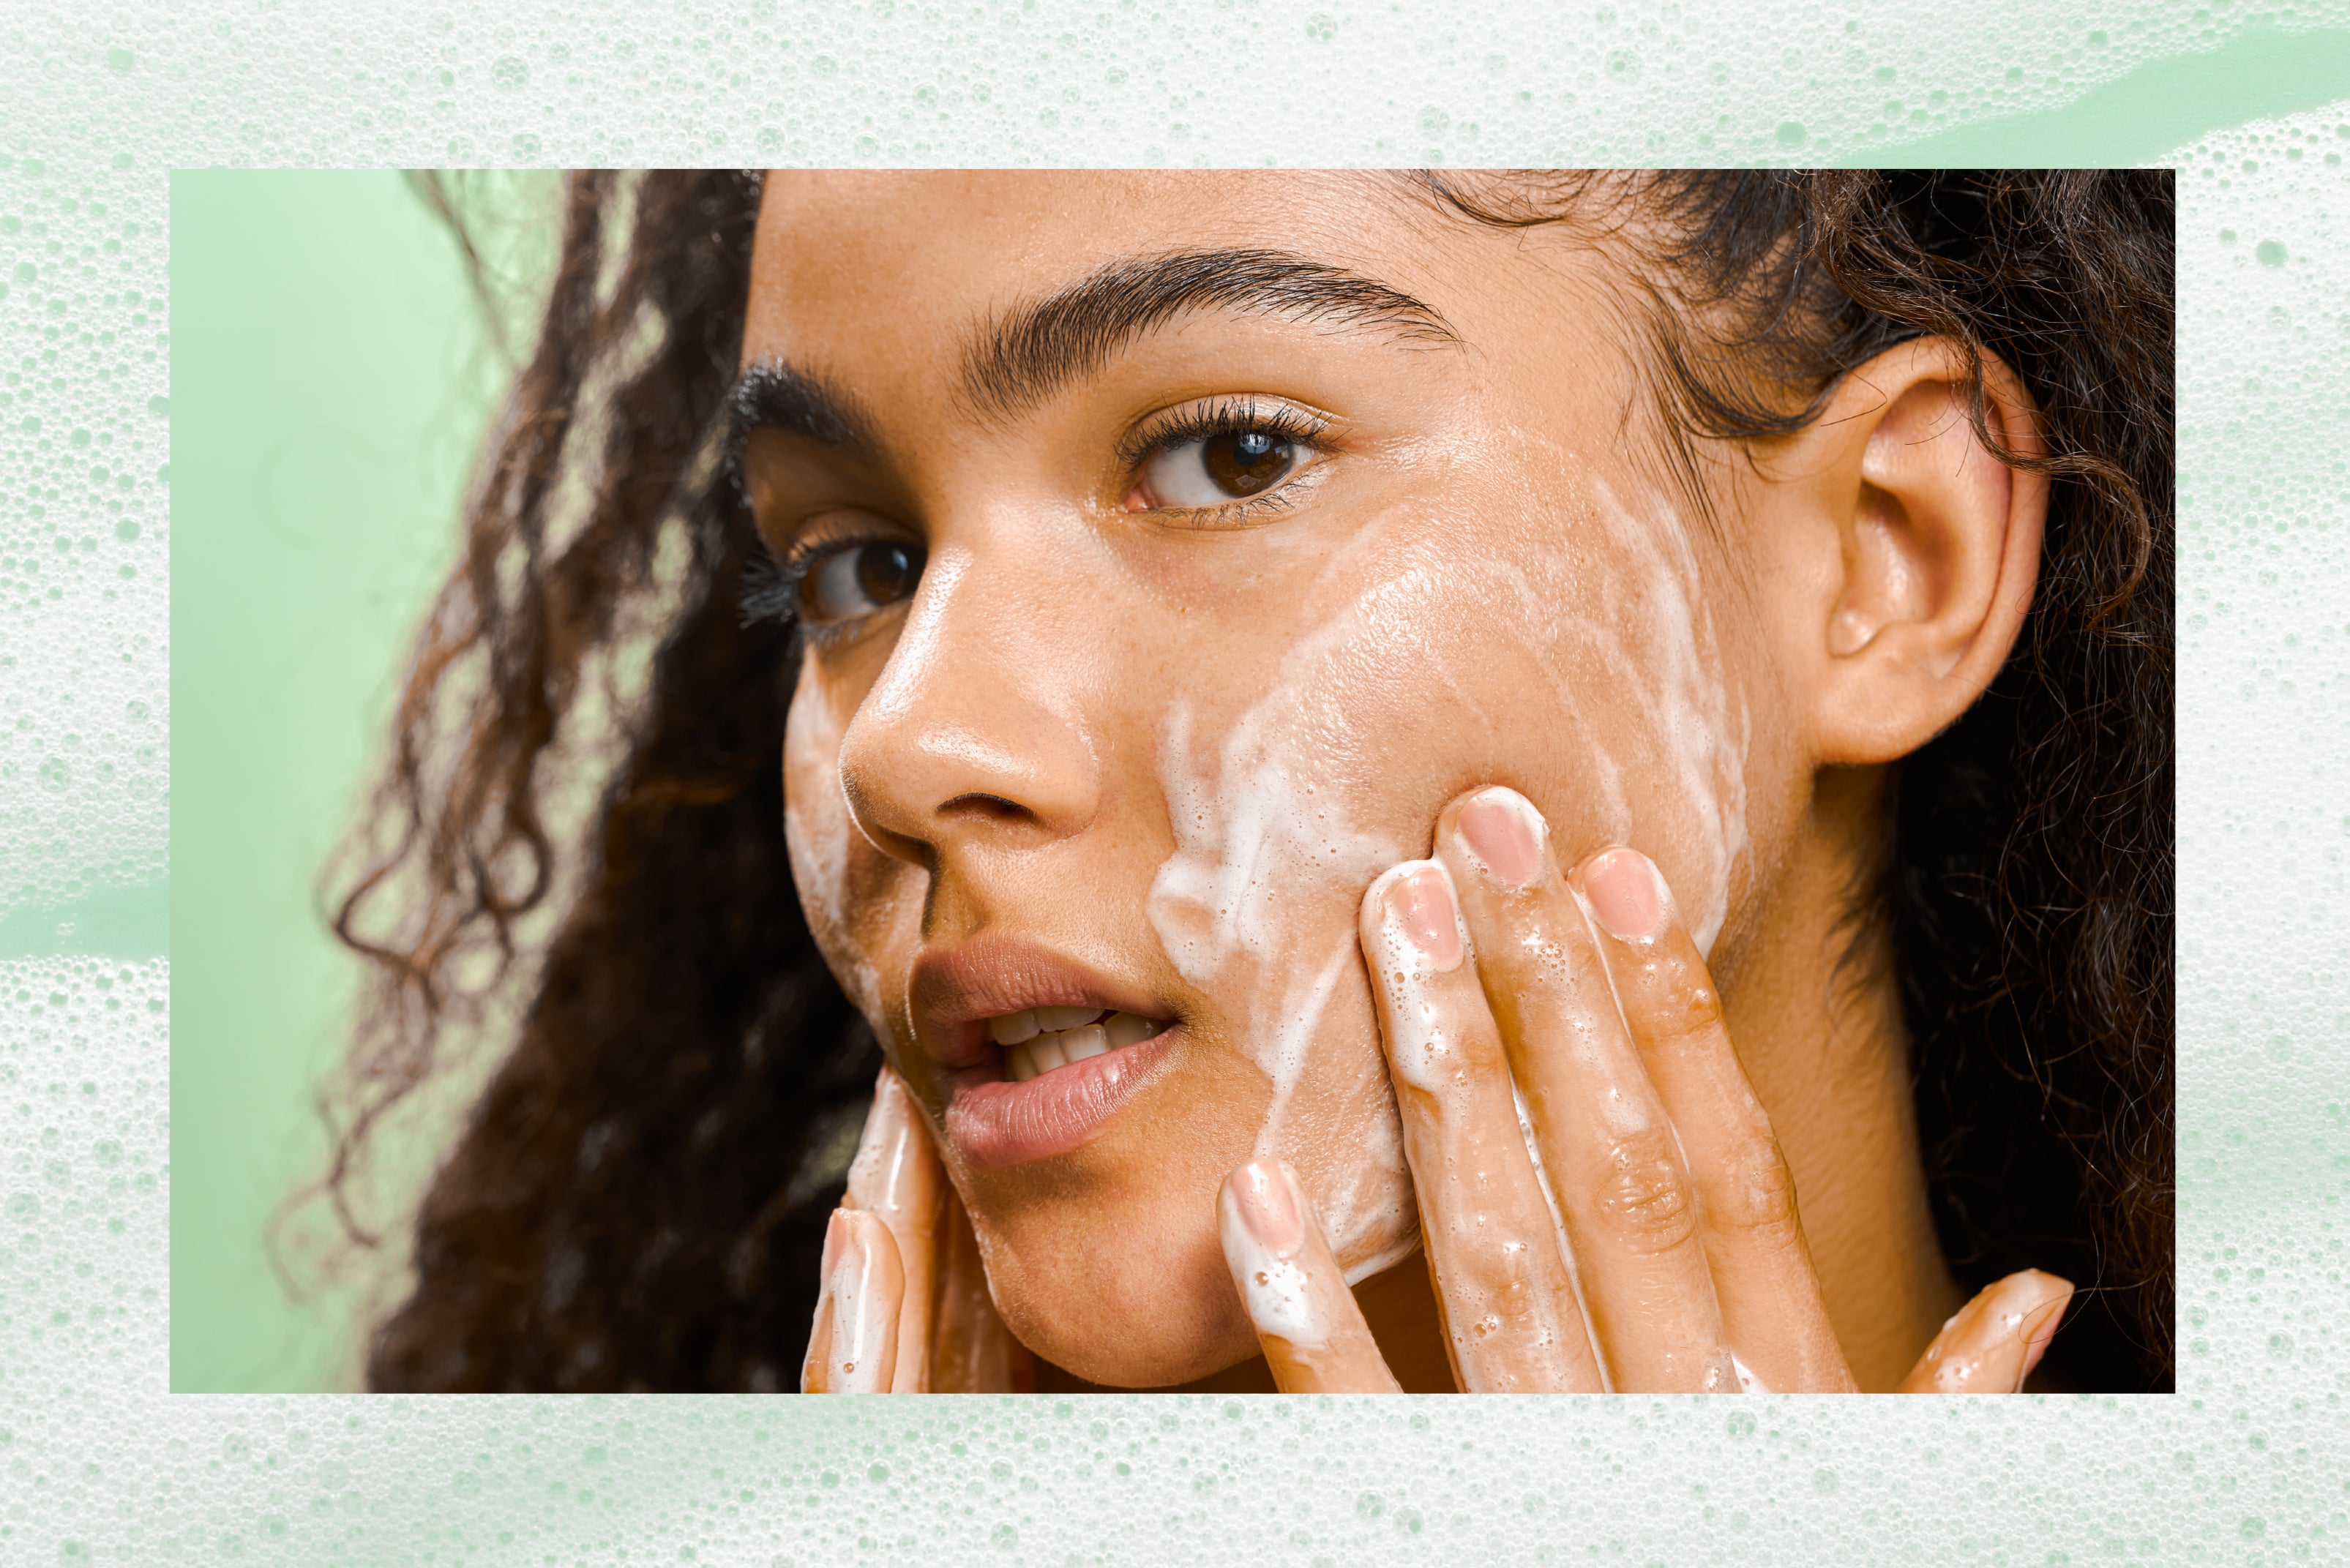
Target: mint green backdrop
331, 377
145, 1102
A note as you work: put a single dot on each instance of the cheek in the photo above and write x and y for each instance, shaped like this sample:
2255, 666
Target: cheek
848, 888
1554, 641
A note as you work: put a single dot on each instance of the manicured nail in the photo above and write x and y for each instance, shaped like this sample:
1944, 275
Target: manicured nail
1264, 1233
1260, 1193
1506, 834
1625, 893
1420, 903
835, 1238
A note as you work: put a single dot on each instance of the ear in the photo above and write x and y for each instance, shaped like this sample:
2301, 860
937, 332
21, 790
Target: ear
1906, 551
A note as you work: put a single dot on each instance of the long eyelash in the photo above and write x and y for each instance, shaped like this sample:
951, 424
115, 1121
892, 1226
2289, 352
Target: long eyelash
770, 590
1229, 416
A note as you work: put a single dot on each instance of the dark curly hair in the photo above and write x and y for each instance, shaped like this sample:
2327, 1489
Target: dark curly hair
575, 862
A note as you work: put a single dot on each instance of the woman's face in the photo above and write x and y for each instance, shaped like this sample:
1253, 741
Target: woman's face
1175, 546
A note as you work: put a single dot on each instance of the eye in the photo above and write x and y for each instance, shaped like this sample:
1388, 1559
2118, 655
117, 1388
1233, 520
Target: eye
856, 579
1218, 469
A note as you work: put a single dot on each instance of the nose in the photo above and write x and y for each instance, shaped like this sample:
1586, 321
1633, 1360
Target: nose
963, 741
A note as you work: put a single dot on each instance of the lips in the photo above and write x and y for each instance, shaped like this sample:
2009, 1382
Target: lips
992, 1120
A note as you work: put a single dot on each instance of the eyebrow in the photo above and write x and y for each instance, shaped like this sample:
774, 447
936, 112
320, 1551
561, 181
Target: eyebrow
1023, 357
779, 396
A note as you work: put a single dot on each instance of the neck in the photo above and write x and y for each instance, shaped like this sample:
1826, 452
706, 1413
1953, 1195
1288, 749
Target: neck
1812, 1002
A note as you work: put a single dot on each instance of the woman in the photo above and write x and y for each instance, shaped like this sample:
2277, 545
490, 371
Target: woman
1607, 734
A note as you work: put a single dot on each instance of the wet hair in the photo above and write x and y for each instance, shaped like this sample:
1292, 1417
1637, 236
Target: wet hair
573, 875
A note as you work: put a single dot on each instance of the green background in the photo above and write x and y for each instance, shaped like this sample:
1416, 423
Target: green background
105, 1153
331, 375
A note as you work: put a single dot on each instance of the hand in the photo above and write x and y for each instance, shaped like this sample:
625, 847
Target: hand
905, 1308
1581, 998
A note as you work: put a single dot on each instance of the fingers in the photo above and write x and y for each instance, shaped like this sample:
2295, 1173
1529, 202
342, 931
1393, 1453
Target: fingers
1608, 1145
896, 1176
1995, 1340
1309, 1322
1511, 1323
1311, 1331
971, 1350
1772, 1309
854, 1346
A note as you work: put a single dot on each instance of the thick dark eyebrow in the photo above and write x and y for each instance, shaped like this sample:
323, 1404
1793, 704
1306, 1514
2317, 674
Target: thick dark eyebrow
1023, 356
778, 396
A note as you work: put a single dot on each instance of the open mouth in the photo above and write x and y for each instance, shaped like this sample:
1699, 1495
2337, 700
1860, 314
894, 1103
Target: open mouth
1040, 1040
1037, 1051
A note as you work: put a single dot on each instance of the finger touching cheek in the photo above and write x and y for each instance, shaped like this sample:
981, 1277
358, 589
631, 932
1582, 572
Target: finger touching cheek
1307, 1320
1511, 1320
896, 1177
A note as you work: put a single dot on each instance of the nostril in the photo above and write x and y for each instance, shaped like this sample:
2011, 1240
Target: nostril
992, 807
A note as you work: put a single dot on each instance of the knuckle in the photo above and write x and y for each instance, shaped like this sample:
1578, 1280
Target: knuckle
1643, 1196
1684, 1008
1757, 1198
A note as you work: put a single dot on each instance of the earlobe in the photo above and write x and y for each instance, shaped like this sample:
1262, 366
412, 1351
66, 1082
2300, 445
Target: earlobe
1936, 543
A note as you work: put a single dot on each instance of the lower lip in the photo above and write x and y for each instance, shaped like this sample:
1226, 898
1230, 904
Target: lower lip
994, 1122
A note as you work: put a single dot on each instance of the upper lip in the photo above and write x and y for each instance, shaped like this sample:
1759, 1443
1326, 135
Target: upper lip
954, 990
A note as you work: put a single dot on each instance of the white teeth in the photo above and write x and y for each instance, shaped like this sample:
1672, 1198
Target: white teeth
1012, 1028
1032, 1045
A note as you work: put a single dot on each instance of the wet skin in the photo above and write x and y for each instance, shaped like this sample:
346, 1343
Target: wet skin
1104, 734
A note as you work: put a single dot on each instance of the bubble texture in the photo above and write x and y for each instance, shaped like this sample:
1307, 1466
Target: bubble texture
98, 1464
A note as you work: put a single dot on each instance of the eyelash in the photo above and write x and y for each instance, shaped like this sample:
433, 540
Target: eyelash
769, 592
1227, 416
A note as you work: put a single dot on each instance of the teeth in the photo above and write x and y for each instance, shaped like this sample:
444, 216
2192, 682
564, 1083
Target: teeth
1033, 1044
1012, 1028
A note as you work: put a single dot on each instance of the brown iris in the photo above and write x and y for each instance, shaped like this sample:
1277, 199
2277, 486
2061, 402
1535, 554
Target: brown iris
887, 572
859, 579
1242, 462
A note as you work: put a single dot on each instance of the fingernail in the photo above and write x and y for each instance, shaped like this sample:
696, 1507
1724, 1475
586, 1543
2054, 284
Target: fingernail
1625, 893
835, 1238
1506, 834
1264, 1233
1261, 1191
1419, 901
2039, 1328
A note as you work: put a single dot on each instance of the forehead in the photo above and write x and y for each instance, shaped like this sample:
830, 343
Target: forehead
848, 260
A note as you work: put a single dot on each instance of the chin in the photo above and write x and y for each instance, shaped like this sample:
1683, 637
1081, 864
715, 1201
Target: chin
1128, 1306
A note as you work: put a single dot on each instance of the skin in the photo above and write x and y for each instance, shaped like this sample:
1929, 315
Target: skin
1096, 703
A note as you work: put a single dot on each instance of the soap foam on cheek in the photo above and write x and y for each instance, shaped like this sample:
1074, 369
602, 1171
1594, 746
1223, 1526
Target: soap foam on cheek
820, 835
1659, 638
1680, 662
815, 832
1257, 904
